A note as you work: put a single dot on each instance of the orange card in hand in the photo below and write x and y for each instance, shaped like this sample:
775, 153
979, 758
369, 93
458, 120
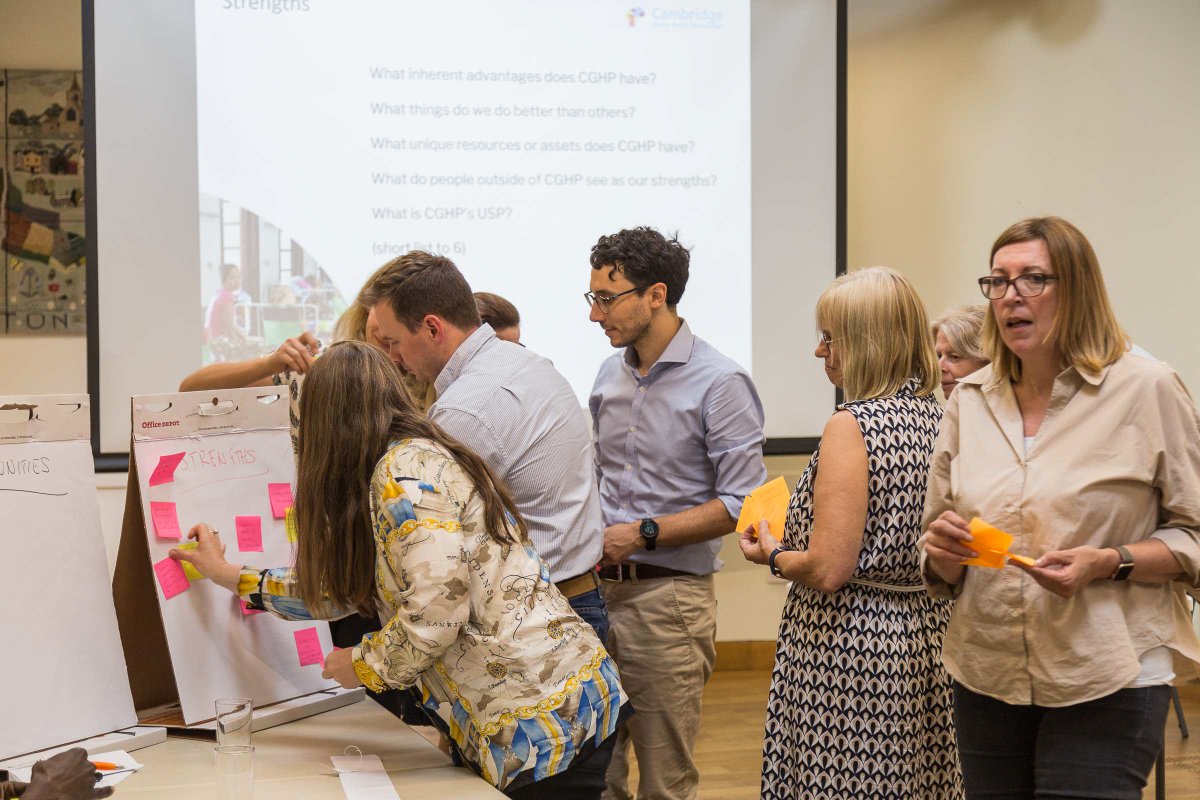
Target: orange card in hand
992, 545
769, 502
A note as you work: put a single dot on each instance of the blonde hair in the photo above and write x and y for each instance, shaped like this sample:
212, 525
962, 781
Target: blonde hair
1085, 329
961, 327
879, 325
352, 326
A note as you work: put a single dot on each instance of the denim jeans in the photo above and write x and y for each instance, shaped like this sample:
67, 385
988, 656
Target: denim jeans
594, 611
1102, 749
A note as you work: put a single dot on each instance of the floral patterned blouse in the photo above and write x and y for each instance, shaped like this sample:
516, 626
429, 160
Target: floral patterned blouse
521, 683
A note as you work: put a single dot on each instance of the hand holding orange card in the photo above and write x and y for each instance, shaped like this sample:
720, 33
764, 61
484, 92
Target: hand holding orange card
769, 502
992, 545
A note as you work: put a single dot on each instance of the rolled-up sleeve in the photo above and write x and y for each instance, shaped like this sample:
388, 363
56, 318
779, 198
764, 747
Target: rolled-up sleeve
1177, 476
733, 435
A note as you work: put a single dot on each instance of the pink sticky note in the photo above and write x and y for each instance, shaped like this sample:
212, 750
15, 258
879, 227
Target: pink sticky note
246, 612
166, 521
249, 533
281, 498
165, 471
308, 647
171, 578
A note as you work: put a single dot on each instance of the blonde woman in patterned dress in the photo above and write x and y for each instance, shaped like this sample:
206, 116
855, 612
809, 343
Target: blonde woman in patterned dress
860, 706
398, 519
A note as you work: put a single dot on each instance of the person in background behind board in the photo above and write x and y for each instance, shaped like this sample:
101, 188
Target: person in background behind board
501, 315
956, 345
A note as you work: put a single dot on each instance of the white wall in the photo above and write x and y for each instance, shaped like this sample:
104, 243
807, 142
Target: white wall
967, 115
42, 34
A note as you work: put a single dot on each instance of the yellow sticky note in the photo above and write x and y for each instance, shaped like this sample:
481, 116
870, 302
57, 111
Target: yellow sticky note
188, 568
289, 524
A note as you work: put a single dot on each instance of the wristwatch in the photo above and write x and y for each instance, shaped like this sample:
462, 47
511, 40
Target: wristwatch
1125, 567
649, 531
776, 571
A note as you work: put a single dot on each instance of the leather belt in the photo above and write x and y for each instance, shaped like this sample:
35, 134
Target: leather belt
616, 573
580, 584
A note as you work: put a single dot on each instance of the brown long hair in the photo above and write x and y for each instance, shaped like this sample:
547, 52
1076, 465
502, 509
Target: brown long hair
354, 405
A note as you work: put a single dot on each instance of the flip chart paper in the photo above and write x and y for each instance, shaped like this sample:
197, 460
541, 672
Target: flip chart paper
171, 577
281, 498
165, 471
166, 520
308, 647
249, 534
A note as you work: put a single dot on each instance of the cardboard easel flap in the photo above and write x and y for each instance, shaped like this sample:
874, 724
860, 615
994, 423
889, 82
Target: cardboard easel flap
184, 414
44, 418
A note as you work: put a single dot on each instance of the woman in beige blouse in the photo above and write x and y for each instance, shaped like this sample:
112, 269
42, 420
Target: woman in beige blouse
1089, 456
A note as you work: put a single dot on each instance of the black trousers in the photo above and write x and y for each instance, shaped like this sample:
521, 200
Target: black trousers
1102, 749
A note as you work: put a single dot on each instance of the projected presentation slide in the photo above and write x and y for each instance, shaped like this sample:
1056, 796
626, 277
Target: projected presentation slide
334, 136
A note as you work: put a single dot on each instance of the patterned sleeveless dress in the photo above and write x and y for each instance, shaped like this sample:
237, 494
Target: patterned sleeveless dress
860, 704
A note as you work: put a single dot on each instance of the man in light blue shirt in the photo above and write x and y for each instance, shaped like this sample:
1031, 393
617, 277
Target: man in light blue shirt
679, 434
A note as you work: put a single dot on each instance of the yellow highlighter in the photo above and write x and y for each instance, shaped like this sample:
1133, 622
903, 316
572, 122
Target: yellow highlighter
189, 569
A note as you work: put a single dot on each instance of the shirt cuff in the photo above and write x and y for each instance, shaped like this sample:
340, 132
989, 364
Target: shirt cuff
1184, 544
369, 677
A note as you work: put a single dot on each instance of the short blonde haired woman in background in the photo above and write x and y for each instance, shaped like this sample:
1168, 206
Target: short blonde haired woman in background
956, 344
860, 705
1090, 458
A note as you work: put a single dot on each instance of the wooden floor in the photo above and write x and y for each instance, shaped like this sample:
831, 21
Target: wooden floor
729, 748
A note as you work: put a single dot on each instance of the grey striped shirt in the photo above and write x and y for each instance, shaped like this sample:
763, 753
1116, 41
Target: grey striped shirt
516, 411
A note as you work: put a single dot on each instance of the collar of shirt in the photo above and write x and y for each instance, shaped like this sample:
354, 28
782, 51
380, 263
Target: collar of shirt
462, 357
678, 351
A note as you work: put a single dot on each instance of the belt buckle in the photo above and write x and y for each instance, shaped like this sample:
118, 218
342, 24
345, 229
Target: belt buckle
620, 575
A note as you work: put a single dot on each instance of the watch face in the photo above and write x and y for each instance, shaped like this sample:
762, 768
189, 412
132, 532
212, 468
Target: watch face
648, 528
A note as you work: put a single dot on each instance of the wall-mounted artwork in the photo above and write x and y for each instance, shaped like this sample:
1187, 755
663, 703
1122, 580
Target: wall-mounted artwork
41, 203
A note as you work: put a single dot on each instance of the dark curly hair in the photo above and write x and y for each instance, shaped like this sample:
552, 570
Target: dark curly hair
645, 257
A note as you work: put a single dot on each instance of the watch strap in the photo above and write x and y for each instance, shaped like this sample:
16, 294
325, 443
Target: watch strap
1125, 567
771, 561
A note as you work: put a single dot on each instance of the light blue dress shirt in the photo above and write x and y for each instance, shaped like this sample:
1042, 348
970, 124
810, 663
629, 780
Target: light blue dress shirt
690, 431
513, 408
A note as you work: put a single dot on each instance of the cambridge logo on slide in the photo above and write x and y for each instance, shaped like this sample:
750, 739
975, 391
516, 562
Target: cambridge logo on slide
633, 14
668, 17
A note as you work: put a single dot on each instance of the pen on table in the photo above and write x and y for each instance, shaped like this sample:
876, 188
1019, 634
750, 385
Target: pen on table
106, 765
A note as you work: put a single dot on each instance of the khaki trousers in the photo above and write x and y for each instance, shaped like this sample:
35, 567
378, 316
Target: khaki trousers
663, 638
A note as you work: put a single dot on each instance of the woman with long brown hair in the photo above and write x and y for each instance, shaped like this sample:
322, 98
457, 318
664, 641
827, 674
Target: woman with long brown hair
398, 519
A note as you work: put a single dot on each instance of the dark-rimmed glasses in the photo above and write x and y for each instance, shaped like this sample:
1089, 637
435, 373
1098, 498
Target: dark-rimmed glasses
605, 301
1031, 284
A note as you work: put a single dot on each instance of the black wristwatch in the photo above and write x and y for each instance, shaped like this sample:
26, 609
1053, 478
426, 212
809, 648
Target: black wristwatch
776, 571
649, 531
1125, 567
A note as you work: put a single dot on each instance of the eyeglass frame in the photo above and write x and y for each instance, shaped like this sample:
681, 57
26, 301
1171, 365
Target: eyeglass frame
605, 303
825, 339
996, 279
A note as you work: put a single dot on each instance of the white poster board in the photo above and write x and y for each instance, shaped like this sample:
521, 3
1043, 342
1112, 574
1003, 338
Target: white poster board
227, 448
63, 670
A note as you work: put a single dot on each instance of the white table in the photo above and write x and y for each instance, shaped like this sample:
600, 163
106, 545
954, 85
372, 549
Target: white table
291, 762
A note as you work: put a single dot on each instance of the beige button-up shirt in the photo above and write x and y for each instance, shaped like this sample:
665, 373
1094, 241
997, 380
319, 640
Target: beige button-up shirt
1116, 461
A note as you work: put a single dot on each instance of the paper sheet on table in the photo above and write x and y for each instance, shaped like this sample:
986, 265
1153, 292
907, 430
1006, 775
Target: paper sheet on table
364, 778
110, 779
992, 545
769, 502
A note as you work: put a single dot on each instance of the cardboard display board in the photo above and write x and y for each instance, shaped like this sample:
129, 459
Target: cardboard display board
63, 671
222, 458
